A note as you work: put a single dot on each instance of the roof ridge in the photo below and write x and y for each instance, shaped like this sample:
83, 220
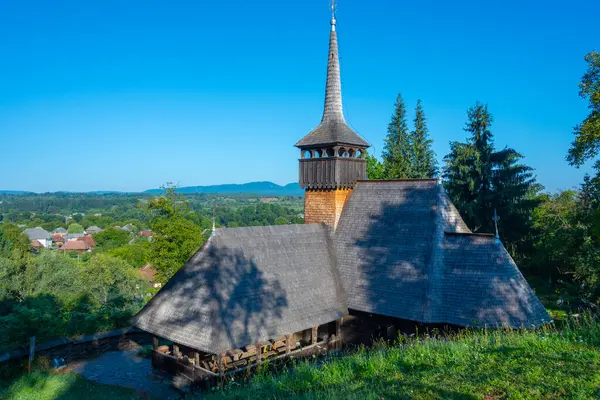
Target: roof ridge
476, 234
399, 180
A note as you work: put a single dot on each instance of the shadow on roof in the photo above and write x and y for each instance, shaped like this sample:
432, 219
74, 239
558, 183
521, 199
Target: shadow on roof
397, 260
219, 302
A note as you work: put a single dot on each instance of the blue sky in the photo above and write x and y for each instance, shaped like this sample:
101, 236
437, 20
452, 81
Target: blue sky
127, 95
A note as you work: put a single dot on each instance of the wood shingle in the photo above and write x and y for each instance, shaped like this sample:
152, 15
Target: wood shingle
248, 285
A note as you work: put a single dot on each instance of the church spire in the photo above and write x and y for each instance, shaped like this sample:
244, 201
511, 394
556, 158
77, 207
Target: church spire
333, 90
333, 130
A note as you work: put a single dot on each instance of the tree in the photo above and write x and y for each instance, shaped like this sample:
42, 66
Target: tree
555, 225
397, 148
281, 221
75, 228
175, 238
374, 168
111, 238
587, 134
480, 180
423, 160
136, 254
110, 279
13, 243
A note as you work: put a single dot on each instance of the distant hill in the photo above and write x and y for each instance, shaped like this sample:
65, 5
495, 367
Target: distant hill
265, 188
14, 192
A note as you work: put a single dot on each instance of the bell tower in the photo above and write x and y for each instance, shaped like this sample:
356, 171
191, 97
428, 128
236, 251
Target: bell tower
332, 156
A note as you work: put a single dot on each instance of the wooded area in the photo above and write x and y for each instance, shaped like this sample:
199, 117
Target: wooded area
52, 294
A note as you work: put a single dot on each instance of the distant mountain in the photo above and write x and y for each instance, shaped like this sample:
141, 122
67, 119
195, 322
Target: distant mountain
14, 192
264, 188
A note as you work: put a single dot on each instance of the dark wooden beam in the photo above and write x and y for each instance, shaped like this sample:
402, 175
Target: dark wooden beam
196, 359
313, 336
155, 342
338, 333
175, 350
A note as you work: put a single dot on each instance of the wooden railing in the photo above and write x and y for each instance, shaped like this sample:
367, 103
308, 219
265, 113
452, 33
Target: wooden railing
331, 172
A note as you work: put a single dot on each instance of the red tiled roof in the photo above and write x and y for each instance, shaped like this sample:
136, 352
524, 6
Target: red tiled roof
145, 233
57, 237
36, 244
147, 272
88, 240
75, 245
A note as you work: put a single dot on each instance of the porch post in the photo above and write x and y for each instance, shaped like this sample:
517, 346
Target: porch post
338, 333
313, 337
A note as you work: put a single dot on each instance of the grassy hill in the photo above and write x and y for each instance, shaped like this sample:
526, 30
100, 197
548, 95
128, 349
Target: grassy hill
546, 364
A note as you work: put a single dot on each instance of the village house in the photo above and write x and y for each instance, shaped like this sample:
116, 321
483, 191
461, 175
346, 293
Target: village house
58, 239
39, 235
74, 236
78, 245
145, 233
93, 229
59, 231
392, 251
148, 273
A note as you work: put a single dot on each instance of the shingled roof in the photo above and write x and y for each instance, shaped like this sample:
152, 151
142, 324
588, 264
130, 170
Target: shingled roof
247, 285
398, 257
333, 128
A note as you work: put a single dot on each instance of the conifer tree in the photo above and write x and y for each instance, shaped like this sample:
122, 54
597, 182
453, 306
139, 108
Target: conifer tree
423, 160
397, 148
480, 179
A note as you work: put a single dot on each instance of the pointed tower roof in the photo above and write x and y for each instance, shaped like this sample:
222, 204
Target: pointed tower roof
333, 128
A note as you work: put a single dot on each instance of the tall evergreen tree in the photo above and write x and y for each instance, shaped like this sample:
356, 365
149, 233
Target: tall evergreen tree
397, 149
480, 179
423, 160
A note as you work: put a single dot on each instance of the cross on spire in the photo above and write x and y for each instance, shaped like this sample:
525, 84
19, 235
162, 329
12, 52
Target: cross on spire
496, 218
333, 21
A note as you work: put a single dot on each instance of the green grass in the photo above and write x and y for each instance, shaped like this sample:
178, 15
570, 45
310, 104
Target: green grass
545, 364
488, 365
68, 386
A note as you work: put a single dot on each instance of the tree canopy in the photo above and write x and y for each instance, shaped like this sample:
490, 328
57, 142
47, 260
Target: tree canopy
407, 154
75, 228
480, 179
587, 134
396, 151
175, 237
424, 164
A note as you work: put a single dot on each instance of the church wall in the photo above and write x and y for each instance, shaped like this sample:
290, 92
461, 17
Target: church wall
325, 205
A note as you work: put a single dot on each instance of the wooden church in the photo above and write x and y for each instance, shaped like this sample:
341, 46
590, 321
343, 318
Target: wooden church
391, 249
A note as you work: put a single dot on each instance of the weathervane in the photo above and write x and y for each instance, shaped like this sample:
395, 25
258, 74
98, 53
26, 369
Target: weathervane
496, 218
